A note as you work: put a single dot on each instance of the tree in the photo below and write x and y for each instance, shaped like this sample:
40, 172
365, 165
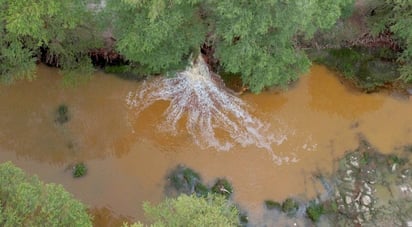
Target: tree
395, 16
185, 210
159, 35
252, 38
61, 30
26, 201
256, 38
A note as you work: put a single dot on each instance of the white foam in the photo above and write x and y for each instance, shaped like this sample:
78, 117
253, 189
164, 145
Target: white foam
208, 107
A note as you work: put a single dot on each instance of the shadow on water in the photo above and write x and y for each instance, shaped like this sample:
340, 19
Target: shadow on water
335, 99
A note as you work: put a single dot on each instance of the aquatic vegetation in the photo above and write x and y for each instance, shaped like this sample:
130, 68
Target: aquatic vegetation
290, 206
190, 176
243, 218
363, 191
371, 188
62, 114
117, 69
365, 158
367, 68
314, 211
185, 180
408, 148
270, 205
209, 106
201, 190
223, 187
79, 170
394, 159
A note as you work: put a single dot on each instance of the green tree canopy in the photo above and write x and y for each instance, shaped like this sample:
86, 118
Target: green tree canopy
185, 210
252, 38
61, 29
26, 201
159, 35
256, 38
395, 16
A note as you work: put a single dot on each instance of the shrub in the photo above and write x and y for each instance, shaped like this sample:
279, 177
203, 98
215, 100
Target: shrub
223, 187
185, 210
62, 114
273, 205
394, 159
314, 211
79, 170
27, 201
201, 190
408, 148
290, 206
184, 180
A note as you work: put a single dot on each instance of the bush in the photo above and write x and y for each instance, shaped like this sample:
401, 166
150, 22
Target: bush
223, 187
314, 211
368, 69
79, 170
394, 159
27, 201
185, 180
62, 114
290, 206
201, 190
185, 210
273, 205
407, 148
243, 218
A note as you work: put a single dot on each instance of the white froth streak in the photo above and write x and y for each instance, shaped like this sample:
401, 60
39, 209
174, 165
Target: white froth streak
193, 92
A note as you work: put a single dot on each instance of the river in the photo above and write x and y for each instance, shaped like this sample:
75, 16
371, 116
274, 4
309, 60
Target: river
128, 158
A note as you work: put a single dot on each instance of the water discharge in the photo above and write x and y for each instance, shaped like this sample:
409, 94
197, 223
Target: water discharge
209, 106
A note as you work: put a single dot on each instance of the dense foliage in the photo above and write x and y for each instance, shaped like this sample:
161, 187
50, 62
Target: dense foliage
255, 39
157, 35
395, 16
59, 30
252, 38
185, 210
26, 201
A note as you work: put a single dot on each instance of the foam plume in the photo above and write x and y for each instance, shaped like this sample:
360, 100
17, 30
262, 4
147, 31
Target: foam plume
209, 106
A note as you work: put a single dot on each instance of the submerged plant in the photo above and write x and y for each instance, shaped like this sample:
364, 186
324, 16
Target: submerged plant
408, 148
186, 180
270, 205
243, 218
201, 190
314, 211
62, 114
79, 170
201, 96
223, 187
290, 206
394, 159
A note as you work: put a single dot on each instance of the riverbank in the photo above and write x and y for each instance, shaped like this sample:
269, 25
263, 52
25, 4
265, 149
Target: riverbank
365, 59
368, 188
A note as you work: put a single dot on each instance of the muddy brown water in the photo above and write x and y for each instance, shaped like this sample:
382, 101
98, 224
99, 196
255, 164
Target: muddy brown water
128, 157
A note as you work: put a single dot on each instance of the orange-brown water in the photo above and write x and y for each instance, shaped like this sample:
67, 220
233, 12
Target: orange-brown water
128, 158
